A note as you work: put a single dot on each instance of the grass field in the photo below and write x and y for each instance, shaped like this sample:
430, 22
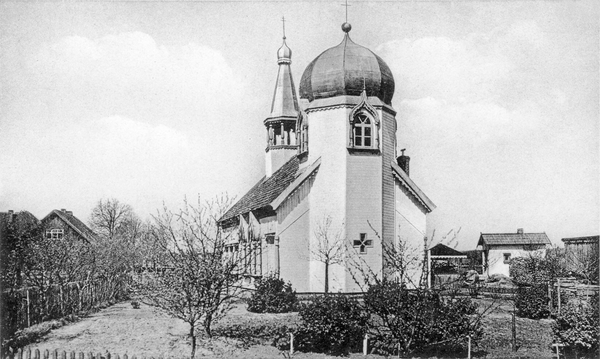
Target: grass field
120, 329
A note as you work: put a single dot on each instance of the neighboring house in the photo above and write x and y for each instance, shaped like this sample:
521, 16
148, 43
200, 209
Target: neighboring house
581, 255
59, 224
331, 155
500, 248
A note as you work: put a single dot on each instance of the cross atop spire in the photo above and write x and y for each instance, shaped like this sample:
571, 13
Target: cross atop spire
283, 21
346, 5
346, 27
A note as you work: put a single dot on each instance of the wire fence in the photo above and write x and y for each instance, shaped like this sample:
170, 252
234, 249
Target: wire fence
25, 307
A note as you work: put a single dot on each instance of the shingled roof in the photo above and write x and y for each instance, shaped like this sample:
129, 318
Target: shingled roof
508, 239
265, 191
78, 226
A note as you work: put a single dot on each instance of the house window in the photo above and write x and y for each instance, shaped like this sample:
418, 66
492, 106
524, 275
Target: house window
362, 131
506, 258
55, 233
363, 243
270, 238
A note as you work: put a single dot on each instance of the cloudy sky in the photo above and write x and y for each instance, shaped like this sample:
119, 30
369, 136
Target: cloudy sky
149, 102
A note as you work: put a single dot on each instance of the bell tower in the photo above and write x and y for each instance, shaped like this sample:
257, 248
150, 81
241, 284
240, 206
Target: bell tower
282, 142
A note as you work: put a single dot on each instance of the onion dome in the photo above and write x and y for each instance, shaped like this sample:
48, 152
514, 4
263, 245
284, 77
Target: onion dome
347, 69
284, 54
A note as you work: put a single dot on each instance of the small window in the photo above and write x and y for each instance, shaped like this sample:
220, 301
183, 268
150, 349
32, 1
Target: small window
270, 239
363, 243
55, 233
506, 257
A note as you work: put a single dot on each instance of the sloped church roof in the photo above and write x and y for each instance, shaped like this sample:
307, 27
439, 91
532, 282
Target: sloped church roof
265, 191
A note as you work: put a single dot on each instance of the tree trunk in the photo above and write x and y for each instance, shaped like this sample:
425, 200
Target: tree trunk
326, 277
193, 336
207, 323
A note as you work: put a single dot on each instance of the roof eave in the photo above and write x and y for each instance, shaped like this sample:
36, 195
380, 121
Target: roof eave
297, 182
412, 187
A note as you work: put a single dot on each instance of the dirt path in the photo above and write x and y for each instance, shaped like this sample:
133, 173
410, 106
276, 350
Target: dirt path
146, 331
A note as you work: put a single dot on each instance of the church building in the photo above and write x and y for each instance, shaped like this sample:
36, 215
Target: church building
333, 178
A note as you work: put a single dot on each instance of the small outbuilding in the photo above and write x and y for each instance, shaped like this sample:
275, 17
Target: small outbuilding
500, 248
443, 261
582, 255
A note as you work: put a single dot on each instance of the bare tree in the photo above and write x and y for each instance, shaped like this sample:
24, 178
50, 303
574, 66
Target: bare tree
199, 277
112, 219
329, 247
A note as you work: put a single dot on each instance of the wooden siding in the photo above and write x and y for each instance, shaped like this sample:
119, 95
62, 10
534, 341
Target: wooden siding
57, 223
389, 125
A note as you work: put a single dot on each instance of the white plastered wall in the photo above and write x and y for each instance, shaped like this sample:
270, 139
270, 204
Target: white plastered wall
327, 140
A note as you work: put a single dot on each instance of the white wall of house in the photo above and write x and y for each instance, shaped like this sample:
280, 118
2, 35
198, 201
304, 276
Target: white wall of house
293, 231
497, 262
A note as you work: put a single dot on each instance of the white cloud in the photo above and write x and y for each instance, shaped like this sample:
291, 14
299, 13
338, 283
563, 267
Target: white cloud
130, 73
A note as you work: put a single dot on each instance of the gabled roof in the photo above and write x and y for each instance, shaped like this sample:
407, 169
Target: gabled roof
78, 226
412, 188
508, 239
442, 250
265, 191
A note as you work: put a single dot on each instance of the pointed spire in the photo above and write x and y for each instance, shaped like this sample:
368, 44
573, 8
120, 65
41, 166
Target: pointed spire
285, 102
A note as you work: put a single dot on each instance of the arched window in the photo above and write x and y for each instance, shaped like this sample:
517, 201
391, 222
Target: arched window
362, 131
302, 133
363, 126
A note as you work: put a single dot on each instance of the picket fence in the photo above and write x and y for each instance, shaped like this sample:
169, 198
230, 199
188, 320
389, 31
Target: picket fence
56, 354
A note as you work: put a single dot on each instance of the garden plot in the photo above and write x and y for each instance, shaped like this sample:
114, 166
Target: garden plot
120, 329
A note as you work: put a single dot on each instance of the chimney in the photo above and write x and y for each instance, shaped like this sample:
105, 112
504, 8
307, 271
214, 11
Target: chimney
519, 230
403, 162
63, 210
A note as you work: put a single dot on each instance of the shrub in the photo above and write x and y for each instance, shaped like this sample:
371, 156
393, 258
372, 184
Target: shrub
332, 324
532, 302
272, 295
535, 269
419, 320
273, 333
578, 327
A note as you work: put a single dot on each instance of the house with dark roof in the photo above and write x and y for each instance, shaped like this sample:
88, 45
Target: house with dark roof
332, 173
499, 248
60, 224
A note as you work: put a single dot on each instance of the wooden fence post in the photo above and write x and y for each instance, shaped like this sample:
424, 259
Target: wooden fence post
558, 294
28, 313
291, 343
61, 299
366, 344
79, 295
469, 349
